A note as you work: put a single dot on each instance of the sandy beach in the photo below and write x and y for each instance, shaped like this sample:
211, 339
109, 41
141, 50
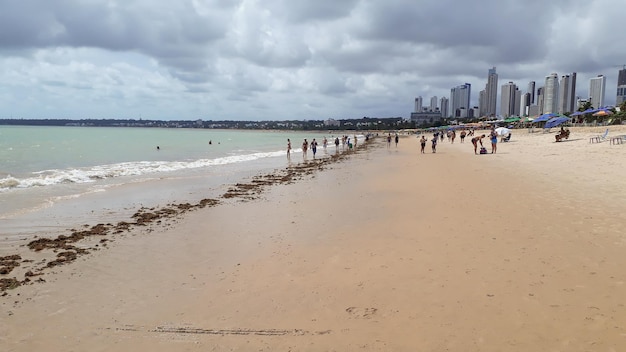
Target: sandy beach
384, 250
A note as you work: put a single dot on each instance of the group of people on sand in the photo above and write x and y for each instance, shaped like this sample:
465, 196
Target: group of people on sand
312, 145
493, 137
477, 140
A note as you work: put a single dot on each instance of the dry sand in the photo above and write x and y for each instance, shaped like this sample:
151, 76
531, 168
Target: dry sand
389, 250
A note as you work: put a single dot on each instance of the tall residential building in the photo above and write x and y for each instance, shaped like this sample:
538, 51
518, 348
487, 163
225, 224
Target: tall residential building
596, 91
531, 91
491, 92
460, 100
418, 104
508, 104
443, 107
433, 103
540, 97
567, 94
551, 94
571, 99
621, 86
482, 103
524, 105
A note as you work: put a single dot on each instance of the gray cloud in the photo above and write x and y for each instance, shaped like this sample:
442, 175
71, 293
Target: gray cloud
279, 59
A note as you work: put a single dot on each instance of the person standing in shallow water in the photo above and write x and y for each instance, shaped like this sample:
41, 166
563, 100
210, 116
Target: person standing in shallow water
288, 148
305, 147
314, 147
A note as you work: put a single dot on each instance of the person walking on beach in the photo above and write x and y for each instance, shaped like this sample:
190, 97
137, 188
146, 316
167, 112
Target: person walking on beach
423, 143
494, 140
397, 139
305, 147
388, 140
477, 140
314, 147
288, 149
434, 142
453, 136
463, 136
336, 144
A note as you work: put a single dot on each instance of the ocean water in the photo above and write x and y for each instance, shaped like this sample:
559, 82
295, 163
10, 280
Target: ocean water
55, 178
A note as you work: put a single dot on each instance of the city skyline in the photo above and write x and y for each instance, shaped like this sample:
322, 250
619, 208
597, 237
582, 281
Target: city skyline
555, 96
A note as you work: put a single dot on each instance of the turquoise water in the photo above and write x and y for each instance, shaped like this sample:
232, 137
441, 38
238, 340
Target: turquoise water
54, 177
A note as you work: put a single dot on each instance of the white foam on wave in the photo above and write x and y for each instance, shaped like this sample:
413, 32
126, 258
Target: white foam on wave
138, 168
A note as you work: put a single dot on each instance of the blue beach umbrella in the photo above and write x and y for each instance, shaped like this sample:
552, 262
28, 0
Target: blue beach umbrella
545, 117
555, 121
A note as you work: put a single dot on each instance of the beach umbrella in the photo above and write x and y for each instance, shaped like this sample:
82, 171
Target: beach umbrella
503, 131
555, 121
603, 113
545, 117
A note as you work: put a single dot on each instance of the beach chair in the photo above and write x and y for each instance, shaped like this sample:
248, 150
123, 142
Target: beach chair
598, 139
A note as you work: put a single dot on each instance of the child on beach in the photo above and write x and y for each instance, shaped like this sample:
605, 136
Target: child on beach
423, 143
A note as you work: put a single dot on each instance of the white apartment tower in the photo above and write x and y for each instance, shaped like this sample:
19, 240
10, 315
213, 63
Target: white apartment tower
460, 100
510, 96
418, 104
596, 91
551, 94
433, 103
443, 106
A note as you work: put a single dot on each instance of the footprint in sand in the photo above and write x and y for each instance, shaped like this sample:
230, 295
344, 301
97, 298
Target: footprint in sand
361, 313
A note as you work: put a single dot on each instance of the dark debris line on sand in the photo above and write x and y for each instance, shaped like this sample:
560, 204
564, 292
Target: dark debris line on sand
67, 252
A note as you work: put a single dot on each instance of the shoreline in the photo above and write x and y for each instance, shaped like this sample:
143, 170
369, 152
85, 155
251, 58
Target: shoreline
27, 260
391, 250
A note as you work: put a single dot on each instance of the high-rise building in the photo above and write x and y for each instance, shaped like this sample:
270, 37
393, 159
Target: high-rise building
491, 92
482, 103
443, 107
531, 91
460, 100
418, 104
524, 104
571, 96
551, 94
596, 91
540, 97
508, 104
564, 104
433, 103
621, 86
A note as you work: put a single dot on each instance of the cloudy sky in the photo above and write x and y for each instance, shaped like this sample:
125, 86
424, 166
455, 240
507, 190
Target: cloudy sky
289, 59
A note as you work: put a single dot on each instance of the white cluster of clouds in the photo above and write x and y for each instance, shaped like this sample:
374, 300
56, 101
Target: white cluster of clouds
281, 59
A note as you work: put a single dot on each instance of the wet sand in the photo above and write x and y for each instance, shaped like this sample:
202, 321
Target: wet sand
387, 250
